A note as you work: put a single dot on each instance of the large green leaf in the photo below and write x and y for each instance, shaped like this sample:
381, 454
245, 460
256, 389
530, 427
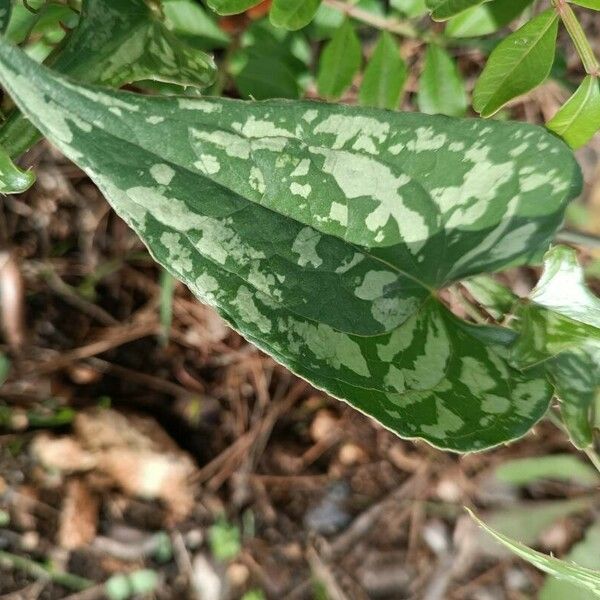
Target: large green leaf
560, 328
444, 9
518, 64
579, 119
594, 4
564, 571
117, 42
321, 233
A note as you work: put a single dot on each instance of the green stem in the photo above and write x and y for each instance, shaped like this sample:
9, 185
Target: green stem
37, 570
573, 26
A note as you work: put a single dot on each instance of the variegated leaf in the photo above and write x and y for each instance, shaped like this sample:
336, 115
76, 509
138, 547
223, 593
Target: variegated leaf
561, 329
322, 233
117, 42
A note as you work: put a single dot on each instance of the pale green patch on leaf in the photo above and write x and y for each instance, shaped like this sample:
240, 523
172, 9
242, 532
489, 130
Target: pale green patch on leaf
339, 62
322, 232
384, 76
444, 9
561, 329
293, 14
486, 18
561, 570
410, 8
518, 64
441, 88
231, 7
579, 119
13, 180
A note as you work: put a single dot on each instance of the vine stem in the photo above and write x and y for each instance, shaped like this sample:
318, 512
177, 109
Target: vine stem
402, 28
582, 44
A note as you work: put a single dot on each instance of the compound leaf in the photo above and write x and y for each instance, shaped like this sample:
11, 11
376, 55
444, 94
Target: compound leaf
384, 76
579, 119
518, 64
322, 233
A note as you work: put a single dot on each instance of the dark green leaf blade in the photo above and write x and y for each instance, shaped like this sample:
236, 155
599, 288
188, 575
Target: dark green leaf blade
339, 62
293, 14
384, 76
261, 209
518, 64
579, 119
441, 88
5, 12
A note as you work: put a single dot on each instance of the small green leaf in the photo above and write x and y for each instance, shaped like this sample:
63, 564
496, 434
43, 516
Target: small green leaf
384, 76
585, 553
560, 467
441, 88
191, 23
444, 9
12, 179
410, 8
339, 62
518, 64
224, 539
293, 14
562, 570
231, 7
593, 4
322, 233
560, 328
579, 119
485, 18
